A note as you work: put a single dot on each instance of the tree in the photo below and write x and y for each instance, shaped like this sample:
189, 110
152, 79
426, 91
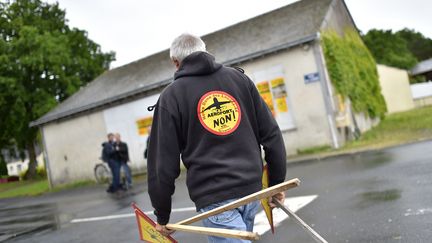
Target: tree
417, 43
389, 49
42, 62
3, 168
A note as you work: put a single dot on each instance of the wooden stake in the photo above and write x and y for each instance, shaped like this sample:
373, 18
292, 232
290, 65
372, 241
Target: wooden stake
245, 235
266, 193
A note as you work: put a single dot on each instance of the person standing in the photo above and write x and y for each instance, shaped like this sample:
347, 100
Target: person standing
213, 117
109, 156
123, 155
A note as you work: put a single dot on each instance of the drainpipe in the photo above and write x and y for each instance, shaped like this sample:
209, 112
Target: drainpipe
46, 159
326, 90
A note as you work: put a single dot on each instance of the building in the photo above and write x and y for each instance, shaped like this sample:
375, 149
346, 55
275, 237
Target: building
395, 87
279, 50
422, 92
17, 165
423, 68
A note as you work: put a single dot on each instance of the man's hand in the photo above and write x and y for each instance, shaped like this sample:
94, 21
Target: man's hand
280, 197
164, 230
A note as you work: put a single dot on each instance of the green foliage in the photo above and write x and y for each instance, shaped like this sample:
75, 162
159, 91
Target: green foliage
353, 72
417, 79
389, 49
419, 45
42, 62
401, 49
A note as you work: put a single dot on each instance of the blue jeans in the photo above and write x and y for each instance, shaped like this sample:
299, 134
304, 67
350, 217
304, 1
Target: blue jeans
115, 171
127, 171
241, 218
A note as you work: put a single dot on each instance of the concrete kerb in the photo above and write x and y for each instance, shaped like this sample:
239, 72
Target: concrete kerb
335, 154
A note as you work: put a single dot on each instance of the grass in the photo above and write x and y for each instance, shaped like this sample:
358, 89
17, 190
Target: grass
397, 128
73, 185
314, 150
36, 187
23, 188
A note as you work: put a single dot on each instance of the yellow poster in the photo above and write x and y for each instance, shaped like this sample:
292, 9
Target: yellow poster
280, 94
278, 88
144, 125
264, 91
281, 104
273, 86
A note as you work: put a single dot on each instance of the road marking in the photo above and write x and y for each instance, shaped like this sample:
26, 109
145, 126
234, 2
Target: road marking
261, 225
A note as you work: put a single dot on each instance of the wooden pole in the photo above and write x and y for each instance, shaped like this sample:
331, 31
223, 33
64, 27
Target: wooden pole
245, 235
266, 193
299, 221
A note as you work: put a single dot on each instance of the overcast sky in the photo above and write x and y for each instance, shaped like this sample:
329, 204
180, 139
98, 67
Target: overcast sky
138, 28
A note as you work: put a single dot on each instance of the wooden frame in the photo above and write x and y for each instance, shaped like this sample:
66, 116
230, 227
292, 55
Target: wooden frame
266, 193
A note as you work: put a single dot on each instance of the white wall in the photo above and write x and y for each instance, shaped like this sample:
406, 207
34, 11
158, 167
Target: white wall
395, 88
74, 147
422, 94
305, 100
122, 119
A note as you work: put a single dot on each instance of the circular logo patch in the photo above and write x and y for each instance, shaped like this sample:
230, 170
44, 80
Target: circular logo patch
219, 112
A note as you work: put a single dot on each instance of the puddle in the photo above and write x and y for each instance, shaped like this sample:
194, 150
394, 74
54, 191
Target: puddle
370, 198
19, 221
386, 195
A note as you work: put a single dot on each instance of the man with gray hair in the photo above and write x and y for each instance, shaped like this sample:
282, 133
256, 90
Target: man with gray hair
213, 117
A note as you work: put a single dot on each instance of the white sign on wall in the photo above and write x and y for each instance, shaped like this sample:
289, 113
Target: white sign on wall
273, 89
132, 120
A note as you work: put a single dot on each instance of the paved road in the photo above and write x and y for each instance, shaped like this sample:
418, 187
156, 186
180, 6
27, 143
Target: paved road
380, 196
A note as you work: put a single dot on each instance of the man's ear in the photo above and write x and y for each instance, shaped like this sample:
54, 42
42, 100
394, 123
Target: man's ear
176, 63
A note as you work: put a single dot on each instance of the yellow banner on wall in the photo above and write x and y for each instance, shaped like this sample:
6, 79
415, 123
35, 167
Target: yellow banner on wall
264, 91
281, 104
144, 125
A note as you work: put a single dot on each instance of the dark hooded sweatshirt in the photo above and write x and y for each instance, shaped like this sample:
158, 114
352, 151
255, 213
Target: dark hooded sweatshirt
214, 118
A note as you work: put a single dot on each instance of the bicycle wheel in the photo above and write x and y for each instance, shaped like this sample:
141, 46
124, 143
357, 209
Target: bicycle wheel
102, 174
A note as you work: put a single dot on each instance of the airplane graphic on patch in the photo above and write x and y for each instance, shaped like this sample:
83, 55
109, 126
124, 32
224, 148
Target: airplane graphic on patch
216, 104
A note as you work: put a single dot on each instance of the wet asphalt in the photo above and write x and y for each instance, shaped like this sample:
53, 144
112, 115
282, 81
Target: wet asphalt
377, 196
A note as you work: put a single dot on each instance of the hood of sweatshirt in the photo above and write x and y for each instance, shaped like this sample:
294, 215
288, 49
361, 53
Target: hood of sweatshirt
196, 64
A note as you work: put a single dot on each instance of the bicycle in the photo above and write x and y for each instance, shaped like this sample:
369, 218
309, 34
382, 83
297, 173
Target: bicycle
103, 175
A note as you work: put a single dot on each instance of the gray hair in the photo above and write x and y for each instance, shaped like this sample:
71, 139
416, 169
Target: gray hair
184, 45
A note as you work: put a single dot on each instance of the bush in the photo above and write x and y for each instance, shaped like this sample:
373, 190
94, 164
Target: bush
353, 72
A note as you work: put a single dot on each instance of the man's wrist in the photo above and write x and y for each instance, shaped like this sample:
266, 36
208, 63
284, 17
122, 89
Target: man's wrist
162, 219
